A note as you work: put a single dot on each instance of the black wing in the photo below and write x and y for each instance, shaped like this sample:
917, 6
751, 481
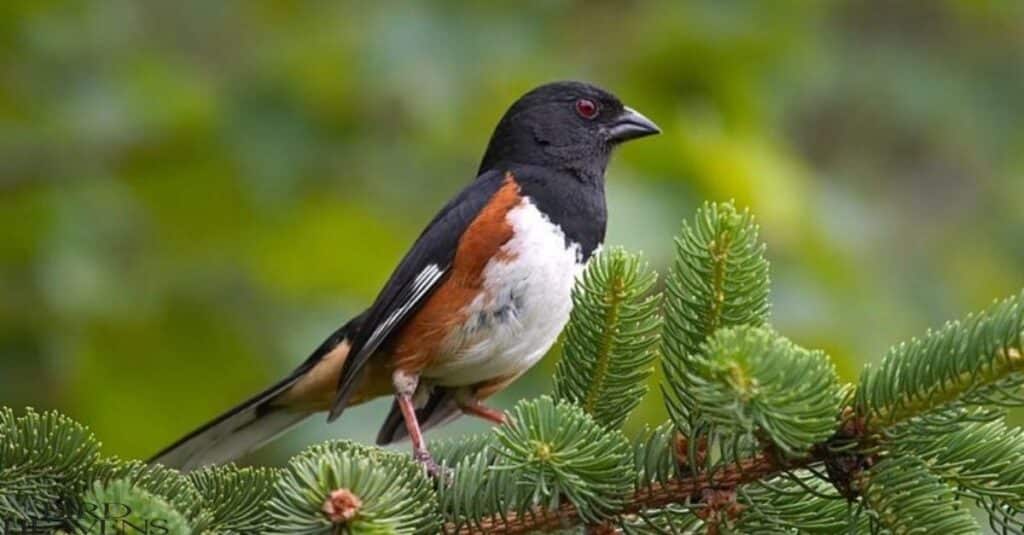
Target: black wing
415, 278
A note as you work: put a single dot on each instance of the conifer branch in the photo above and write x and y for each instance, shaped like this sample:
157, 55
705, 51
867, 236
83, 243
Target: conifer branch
237, 497
44, 457
719, 278
654, 496
135, 506
749, 381
977, 361
798, 501
905, 497
610, 339
164, 483
392, 491
756, 443
983, 460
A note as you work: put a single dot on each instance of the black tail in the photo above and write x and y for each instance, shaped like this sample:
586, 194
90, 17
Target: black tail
234, 433
249, 425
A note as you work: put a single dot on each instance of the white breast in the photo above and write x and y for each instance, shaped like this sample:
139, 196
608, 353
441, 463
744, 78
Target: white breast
524, 307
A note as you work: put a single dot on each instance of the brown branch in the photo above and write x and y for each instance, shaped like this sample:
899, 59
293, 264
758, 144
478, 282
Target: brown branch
657, 495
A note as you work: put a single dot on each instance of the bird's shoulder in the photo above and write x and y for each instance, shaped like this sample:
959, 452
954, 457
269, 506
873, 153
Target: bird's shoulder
423, 268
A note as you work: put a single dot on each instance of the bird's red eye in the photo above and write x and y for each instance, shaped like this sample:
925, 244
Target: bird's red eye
586, 108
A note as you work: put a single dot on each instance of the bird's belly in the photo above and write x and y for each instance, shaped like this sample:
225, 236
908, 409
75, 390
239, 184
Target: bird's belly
524, 305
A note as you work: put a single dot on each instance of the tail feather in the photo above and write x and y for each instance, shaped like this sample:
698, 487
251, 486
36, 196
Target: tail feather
234, 433
252, 423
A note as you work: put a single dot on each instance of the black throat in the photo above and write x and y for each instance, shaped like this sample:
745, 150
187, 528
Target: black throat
576, 205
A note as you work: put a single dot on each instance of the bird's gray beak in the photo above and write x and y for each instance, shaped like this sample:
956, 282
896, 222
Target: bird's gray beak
631, 124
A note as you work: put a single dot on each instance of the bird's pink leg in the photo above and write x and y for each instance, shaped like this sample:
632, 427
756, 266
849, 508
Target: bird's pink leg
405, 387
475, 408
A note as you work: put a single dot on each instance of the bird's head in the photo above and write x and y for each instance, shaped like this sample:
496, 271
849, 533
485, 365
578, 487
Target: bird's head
569, 126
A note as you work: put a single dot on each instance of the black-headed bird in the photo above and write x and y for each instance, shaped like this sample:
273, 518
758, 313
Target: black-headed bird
479, 298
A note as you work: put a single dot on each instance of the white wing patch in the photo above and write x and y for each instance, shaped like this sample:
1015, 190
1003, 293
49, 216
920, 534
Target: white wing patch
422, 284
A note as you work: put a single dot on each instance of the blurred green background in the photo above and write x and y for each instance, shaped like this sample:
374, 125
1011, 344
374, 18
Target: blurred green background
193, 194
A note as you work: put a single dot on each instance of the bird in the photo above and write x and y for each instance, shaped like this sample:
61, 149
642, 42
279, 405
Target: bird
477, 300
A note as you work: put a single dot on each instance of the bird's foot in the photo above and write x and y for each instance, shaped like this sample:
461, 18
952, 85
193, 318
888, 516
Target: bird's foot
422, 456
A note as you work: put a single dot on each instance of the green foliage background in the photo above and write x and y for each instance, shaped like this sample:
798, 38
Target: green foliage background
192, 194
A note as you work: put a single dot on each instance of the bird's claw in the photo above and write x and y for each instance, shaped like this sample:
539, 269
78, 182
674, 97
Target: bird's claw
433, 469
